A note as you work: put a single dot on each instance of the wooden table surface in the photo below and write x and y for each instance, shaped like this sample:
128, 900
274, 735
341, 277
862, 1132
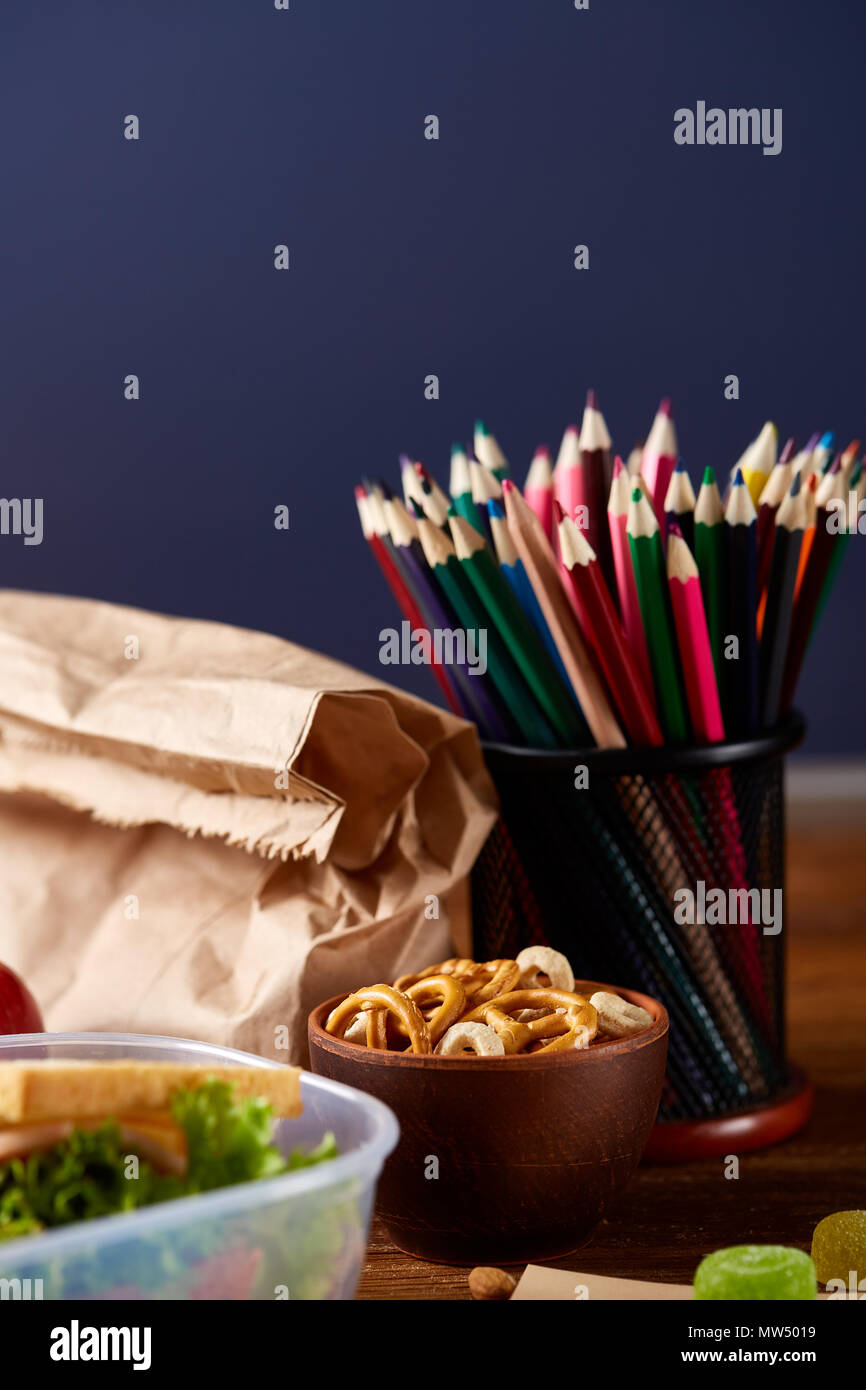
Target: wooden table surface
670, 1217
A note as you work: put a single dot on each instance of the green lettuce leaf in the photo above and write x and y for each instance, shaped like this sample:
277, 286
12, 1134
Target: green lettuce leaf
89, 1174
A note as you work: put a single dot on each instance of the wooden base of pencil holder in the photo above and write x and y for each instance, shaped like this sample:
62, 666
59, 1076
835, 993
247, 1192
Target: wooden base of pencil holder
596, 854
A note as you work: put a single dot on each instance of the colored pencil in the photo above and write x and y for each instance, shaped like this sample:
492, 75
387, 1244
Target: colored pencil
488, 452
648, 560
809, 489
485, 488
758, 461
629, 605
568, 482
514, 571
710, 557
776, 625
635, 459
460, 487
693, 639
601, 627
433, 502
802, 460
538, 488
521, 639
537, 557
375, 532
511, 689
739, 686
660, 455
806, 602
595, 464
680, 503
774, 492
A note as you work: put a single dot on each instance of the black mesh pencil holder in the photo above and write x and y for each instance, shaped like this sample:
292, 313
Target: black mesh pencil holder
661, 870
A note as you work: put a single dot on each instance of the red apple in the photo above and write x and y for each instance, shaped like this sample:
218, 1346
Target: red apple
19, 1012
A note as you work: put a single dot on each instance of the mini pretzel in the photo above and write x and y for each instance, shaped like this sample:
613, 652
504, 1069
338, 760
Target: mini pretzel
448, 992
487, 981
483, 1040
568, 1013
543, 960
480, 980
387, 1000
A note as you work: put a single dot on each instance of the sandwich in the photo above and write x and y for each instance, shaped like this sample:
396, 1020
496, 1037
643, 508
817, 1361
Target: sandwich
85, 1139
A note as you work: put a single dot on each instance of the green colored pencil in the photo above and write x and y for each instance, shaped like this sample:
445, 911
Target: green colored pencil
518, 634
488, 452
710, 557
504, 675
648, 561
460, 487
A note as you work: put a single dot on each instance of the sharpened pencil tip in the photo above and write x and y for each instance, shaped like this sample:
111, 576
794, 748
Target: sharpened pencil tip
674, 529
826, 440
618, 466
739, 480
405, 462
480, 427
507, 485
680, 466
360, 492
665, 407
709, 477
557, 510
591, 400
457, 449
636, 494
495, 510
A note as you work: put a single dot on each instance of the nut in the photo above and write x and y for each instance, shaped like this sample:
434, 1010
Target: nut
617, 1018
488, 1283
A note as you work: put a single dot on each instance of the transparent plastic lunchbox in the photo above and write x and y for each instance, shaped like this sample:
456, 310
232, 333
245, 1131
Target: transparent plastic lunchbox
299, 1236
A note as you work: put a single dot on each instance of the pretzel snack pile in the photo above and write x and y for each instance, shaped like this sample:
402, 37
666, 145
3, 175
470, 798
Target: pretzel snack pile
495, 1008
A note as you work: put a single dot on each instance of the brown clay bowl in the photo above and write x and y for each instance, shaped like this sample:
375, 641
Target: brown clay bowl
503, 1160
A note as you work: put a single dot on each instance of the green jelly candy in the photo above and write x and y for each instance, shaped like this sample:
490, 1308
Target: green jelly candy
839, 1246
755, 1272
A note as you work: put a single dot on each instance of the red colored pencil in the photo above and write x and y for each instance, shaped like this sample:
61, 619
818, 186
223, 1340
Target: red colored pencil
590, 598
595, 461
660, 454
375, 533
702, 691
629, 603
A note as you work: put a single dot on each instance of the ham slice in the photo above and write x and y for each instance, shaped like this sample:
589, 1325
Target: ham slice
157, 1139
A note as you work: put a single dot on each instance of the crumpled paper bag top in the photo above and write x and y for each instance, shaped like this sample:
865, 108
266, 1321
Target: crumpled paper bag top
204, 831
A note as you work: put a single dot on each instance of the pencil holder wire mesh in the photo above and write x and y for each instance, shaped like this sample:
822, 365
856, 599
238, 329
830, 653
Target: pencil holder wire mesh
660, 870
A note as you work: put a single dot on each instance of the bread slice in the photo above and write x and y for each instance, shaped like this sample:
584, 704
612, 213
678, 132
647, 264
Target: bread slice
34, 1091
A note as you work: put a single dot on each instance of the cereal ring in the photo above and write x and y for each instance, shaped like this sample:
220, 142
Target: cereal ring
360, 1028
386, 1001
478, 1037
451, 995
543, 960
567, 1013
617, 1018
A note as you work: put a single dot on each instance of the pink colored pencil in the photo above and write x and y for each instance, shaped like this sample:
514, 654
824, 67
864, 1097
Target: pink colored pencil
693, 637
660, 455
629, 605
569, 485
538, 488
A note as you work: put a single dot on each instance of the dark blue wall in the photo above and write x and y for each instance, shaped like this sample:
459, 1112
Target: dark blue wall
408, 257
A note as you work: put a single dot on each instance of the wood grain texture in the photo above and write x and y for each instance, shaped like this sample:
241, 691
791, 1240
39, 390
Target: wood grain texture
671, 1217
